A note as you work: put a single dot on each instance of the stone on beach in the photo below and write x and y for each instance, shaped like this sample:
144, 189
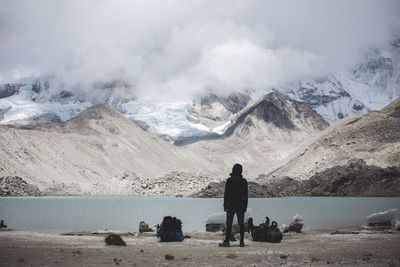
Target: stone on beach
169, 257
295, 226
231, 256
114, 239
2, 225
144, 227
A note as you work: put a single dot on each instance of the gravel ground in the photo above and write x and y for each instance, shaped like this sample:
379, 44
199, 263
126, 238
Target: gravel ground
21, 248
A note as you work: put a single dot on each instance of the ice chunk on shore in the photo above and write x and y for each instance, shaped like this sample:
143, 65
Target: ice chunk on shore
297, 217
220, 217
388, 217
397, 225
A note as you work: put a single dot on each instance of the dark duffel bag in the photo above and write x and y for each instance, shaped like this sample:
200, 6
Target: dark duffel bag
265, 232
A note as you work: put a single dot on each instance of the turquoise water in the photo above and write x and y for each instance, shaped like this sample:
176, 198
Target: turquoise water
125, 212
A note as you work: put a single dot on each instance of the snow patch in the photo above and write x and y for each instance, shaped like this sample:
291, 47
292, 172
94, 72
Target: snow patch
340, 108
388, 217
222, 128
23, 107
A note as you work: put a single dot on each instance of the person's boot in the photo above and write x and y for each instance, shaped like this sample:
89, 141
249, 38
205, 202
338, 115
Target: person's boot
233, 239
224, 244
241, 243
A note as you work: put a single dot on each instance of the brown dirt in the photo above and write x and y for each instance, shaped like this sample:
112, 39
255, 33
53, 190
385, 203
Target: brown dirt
306, 249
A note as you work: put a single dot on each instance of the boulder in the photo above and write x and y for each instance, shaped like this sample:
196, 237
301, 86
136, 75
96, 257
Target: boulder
2, 225
114, 240
144, 227
295, 226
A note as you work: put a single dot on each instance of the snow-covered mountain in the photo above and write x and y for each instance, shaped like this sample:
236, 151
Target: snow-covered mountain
25, 104
328, 97
376, 81
278, 111
369, 85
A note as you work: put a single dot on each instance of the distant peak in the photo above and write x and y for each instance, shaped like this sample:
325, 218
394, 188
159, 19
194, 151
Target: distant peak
97, 112
281, 112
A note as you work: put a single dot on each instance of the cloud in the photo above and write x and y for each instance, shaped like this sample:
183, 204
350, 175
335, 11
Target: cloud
179, 49
241, 64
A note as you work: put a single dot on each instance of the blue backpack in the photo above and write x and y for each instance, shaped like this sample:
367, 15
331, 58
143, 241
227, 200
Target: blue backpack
170, 230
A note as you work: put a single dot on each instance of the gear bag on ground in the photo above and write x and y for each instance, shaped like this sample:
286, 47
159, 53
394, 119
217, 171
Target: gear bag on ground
170, 230
265, 232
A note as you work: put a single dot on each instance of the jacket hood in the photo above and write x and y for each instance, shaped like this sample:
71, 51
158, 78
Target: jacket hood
237, 170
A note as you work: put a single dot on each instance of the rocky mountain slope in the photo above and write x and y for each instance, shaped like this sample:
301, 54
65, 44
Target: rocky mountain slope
263, 134
101, 152
11, 186
97, 152
278, 111
373, 137
358, 156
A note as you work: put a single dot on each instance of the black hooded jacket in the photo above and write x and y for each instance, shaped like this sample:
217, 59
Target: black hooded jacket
236, 193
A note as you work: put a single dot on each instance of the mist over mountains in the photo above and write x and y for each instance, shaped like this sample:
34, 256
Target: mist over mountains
366, 86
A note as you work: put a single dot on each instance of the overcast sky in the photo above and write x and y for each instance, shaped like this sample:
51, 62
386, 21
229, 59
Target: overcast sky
182, 48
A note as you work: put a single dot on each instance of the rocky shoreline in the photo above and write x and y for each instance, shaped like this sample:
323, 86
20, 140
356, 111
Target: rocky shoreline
355, 179
12, 186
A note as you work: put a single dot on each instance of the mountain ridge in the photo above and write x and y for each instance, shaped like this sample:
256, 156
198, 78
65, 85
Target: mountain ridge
373, 137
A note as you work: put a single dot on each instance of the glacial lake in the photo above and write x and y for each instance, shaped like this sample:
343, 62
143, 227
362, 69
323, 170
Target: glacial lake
125, 212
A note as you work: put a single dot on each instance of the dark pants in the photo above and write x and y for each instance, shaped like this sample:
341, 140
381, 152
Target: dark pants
229, 220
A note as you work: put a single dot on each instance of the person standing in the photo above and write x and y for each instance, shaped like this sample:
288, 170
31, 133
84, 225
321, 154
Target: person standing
235, 202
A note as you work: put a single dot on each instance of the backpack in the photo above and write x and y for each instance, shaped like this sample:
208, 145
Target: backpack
170, 230
265, 232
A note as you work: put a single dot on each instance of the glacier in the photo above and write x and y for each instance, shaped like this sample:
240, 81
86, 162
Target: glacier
21, 107
170, 119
